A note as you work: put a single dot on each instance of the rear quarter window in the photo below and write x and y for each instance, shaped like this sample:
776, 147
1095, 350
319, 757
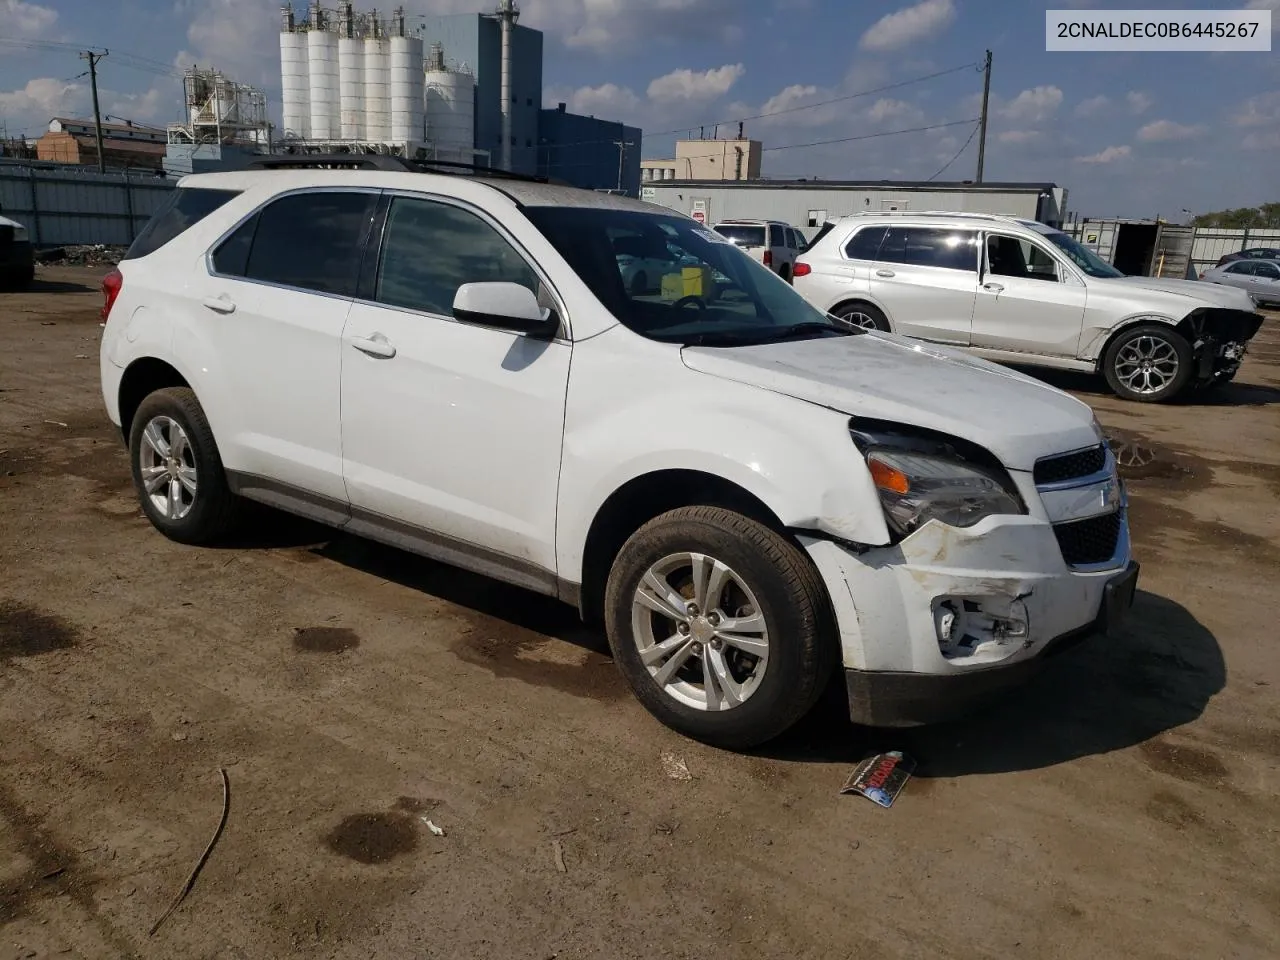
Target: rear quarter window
186, 207
865, 244
745, 236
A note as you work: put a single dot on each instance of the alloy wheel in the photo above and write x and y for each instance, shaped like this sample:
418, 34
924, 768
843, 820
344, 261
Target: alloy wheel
1147, 364
167, 468
700, 632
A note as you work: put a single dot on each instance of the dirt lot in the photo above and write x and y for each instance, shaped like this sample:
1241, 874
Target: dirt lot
1123, 805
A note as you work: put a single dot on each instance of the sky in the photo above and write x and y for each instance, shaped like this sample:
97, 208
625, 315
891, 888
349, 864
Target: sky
1128, 134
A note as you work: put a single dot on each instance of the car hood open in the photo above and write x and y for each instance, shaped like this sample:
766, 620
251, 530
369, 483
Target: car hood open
884, 377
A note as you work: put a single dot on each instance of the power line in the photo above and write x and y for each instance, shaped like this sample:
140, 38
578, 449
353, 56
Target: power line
870, 136
822, 103
972, 134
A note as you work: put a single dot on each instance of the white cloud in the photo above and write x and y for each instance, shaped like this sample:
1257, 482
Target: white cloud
1260, 111
1109, 155
888, 109
608, 99
31, 107
1262, 141
1162, 131
909, 25
1093, 106
688, 84
788, 97
1138, 101
26, 21
601, 26
1034, 105
1019, 136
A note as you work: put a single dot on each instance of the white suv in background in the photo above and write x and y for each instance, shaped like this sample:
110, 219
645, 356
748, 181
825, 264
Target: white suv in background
770, 242
1020, 292
747, 493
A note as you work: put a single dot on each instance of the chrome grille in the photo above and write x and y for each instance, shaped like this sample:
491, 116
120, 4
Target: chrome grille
1070, 466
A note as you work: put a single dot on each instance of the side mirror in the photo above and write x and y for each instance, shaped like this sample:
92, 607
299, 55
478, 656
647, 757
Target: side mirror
506, 306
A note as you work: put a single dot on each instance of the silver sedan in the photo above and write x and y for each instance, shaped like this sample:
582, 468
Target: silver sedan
1261, 278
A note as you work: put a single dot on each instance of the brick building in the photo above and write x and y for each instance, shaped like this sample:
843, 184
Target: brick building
124, 145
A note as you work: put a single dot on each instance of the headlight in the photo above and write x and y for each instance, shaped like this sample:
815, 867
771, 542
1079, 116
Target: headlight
924, 475
19, 234
915, 488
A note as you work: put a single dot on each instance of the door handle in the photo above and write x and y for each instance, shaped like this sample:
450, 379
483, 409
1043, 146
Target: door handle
993, 287
375, 346
220, 304
885, 273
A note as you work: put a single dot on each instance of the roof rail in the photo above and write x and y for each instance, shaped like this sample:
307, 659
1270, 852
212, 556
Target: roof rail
1001, 218
333, 161
382, 161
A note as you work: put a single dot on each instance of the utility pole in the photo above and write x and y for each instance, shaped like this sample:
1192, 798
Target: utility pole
622, 155
982, 134
93, 59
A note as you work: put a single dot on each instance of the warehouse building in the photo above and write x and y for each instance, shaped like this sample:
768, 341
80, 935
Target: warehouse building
123, 145
808, 203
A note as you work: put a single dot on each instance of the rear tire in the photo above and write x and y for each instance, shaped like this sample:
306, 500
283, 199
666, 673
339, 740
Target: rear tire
177, 471
785, 273
760, 593
1150, 363
862, 315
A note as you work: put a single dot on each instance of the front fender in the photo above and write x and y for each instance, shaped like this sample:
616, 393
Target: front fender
795, 457
1095, 338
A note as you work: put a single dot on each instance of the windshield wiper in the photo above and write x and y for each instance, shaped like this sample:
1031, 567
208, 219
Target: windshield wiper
726, 338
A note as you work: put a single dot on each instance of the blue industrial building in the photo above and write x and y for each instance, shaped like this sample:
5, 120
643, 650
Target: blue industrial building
588, 152
579, 150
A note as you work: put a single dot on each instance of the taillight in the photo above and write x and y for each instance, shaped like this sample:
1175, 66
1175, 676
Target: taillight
768, 258
801, 269
111, 285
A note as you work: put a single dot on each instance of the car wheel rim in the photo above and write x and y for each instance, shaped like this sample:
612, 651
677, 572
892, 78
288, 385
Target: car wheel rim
166, 463
859, 319
699, 632
1147, 364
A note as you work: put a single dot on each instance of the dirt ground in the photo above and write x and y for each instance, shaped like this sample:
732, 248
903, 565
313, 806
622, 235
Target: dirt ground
1124, 804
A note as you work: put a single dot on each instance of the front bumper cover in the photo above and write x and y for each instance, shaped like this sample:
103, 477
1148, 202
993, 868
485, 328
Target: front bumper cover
884, 698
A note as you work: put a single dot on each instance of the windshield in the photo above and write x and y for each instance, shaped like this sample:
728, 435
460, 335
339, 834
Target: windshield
669, 278
1082, 256
746, 236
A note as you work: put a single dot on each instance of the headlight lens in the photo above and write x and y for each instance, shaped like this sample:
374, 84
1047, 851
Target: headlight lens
918, 487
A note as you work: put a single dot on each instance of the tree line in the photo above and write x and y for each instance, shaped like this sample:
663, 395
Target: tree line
1266, 216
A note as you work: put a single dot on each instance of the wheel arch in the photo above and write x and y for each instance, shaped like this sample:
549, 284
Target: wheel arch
1097, 350
867, 301
141, 378
641, 499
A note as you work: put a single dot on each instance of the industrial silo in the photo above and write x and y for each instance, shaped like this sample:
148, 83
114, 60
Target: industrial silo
350, 76
407, 84
377, 88
295, 82
322, 62
451, 94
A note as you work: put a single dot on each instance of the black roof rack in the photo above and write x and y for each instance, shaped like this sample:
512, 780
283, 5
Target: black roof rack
382, 161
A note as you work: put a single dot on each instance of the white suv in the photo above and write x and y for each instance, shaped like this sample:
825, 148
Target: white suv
770, 242
747, 493
1020, 292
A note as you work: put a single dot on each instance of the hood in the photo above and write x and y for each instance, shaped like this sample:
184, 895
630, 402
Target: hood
1205, 294
889, 378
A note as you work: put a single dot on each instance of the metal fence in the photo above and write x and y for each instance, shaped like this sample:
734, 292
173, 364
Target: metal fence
1212, 243
71, 205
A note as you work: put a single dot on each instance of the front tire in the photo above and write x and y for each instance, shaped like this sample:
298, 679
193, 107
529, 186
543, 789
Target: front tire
720, 625
864, 315
1150, 363
177, 470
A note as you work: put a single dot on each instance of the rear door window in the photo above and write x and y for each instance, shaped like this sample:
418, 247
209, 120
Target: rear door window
312, 241
1268, 270
182, 209
930, 247
741, 234
865, 244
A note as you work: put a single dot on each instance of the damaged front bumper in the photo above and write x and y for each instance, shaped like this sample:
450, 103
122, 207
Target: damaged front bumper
1219, 340
940, 622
